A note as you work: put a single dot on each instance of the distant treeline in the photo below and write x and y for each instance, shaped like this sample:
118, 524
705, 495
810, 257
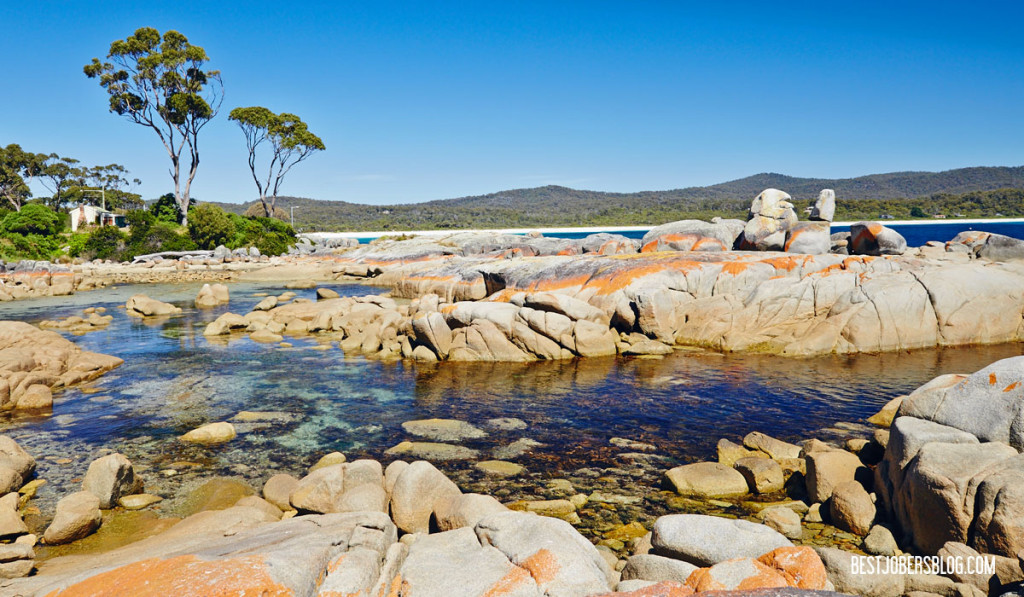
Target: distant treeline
560, 207
967, 191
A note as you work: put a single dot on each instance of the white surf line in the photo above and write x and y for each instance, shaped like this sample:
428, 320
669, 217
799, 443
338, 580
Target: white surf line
614, 229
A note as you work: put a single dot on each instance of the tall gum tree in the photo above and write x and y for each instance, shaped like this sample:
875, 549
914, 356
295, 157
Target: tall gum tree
158, 81
16, 165
289, 141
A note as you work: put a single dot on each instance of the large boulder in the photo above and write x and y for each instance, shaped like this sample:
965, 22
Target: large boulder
561, 560
771, 215
851, 508
141, 305
111, 477
210, 296
691, 235
707, 540
988, 404
656, 568
77, 516
872, 238
827, 469
998, 247
809, 238
824, 208
454, 563
417, 491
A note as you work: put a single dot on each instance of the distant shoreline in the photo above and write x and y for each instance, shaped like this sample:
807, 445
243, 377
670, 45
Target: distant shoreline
614, 229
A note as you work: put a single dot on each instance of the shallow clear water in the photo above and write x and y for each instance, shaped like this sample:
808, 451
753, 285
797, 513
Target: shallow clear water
174, 380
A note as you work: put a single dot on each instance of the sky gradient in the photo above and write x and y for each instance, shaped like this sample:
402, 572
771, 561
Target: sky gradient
422, 100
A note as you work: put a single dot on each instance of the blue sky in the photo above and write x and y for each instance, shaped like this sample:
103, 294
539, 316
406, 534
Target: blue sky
424, 100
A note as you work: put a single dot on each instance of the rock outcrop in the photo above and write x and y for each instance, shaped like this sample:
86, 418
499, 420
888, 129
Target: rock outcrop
952, 469
30, 358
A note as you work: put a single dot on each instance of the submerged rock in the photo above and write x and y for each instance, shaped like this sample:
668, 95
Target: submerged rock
212, 433
444, 430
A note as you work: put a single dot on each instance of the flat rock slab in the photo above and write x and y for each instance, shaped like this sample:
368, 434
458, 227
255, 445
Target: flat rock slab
444, 430
432, 451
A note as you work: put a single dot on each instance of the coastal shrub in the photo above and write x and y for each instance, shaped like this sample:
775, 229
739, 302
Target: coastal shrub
209, 226
16, 246
156, 238
32, 219
106, 242
270, 236
76, 244
165, 209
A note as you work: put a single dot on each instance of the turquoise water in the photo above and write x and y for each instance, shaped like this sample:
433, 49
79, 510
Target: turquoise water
318, 401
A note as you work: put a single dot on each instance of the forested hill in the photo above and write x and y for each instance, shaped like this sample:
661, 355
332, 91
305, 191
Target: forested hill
863, 197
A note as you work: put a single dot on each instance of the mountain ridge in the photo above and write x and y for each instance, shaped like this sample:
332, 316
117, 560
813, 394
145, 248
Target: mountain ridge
554, 205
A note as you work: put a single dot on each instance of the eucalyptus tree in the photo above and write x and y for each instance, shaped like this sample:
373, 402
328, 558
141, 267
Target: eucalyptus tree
58, 174
16, 165
159, 81
289, 142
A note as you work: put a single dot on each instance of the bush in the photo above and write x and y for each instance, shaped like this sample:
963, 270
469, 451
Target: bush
256, 211
270, 236
14, 246
165, 209
76, 244
209, 226
156, 238
106, 242
32, 219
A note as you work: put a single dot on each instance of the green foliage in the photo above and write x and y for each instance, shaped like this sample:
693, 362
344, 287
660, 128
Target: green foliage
917, 212
106, 242
15, 165
159, 81
76, 244
32, 219
290, 142
15, 246
209, 226
166, 209
270, 236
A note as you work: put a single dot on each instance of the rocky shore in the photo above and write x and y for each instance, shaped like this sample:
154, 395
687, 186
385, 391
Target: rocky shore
934, 478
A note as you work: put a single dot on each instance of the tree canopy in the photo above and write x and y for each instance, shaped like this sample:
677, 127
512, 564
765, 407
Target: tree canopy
159, 81
15, 165
289, 141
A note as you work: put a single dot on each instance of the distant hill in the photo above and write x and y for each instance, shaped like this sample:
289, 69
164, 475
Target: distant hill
561, 206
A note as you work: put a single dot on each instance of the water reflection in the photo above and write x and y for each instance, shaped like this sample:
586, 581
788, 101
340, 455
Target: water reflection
314, 401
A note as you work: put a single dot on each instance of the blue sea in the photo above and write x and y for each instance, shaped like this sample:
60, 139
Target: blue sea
916, 234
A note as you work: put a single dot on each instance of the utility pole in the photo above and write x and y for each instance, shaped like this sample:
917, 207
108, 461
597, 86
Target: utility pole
293, 216
103, 195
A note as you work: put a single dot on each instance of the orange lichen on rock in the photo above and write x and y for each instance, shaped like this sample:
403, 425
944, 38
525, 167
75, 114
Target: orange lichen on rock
800, 566
1012, 386
543, 566
992, 379
741, 574
182, 576
667, 588
510, 583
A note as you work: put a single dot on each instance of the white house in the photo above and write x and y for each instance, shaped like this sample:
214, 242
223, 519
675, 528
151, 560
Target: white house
84, 215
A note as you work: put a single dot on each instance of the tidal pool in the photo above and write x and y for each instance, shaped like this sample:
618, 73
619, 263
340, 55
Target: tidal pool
316, 401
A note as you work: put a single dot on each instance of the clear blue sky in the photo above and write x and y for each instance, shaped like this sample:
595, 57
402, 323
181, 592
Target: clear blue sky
424, 100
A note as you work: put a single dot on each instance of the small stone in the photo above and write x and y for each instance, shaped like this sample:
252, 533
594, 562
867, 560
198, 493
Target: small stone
213, 433
707, 479
851, 508
884, 417
729, 452
783, 520
813, 513
445, 430
500, 468
506, 424
277, 490
627, 532
432, 451
771, 446
326, 293
762, 475
517, 448
138, 501
880, 542
632, 445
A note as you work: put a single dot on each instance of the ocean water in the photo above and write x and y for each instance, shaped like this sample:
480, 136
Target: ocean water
315, 401
916, 234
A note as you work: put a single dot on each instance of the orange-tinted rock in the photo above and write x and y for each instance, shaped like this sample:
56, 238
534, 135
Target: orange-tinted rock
800, 566
736, 574
663, 589
182, 576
